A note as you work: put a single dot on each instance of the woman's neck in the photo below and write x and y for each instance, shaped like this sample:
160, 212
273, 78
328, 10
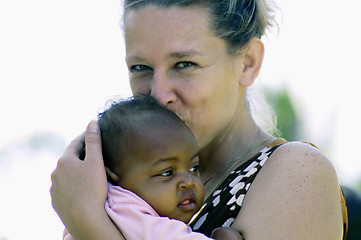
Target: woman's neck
240, 141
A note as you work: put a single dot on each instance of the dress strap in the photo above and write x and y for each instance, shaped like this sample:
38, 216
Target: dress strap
277, 142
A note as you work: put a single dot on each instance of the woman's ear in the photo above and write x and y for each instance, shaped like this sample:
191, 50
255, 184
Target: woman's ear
113, 178
252, 58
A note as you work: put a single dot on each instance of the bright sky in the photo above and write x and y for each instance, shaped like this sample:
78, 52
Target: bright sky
60, 61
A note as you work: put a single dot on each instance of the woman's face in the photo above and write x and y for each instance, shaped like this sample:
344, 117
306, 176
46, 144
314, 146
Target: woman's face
173, 55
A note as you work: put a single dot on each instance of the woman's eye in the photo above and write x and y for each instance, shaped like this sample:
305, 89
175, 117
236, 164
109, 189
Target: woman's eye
139, 68
184, 64
166, 173
195, 168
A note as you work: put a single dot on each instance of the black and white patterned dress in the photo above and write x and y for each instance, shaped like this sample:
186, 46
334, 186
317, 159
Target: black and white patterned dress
222, 207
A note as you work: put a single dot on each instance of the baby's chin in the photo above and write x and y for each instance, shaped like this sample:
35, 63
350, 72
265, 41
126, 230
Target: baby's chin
187, 217
183, 217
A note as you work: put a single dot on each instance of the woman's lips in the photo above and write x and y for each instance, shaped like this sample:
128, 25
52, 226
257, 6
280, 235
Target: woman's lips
180, 116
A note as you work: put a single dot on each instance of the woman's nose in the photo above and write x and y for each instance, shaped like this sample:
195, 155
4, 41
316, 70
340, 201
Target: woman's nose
185, 181
162, 89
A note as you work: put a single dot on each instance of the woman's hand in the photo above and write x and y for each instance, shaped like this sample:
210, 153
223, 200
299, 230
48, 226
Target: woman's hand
226, 233
79, 188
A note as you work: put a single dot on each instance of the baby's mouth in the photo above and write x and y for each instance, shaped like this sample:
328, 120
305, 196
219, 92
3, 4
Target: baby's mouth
188, 204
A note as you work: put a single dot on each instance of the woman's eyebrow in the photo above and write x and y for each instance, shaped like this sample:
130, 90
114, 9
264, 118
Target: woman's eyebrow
185, 54
178, 55
134, 59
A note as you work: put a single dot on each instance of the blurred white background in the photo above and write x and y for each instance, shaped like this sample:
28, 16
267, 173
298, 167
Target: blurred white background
60, 61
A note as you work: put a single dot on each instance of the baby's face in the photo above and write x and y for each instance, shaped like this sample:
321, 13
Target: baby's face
163, 170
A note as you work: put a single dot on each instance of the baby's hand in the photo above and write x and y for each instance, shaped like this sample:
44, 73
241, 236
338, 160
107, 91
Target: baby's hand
226, 233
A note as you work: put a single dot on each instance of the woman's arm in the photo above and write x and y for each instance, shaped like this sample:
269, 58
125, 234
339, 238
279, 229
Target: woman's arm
295, 196
79, 189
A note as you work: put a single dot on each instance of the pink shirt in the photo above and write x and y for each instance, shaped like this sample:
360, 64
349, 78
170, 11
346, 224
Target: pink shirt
138, 220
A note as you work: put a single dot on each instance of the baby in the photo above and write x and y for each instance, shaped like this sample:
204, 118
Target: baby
152, 164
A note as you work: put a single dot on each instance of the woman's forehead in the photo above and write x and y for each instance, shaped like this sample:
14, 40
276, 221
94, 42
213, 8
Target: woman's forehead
158, 11
155, 19
157, 32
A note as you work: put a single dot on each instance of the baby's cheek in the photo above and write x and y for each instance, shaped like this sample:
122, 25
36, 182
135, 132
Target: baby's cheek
163, 203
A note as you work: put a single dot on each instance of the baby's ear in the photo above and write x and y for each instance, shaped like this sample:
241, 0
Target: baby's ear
113, 178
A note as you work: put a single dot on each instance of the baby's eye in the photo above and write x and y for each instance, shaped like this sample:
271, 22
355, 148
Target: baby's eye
195, 168
139, 68
166, 173
185, 64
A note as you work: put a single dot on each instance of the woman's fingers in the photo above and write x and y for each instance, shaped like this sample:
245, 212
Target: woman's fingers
63, 175
93, 147
94, 164
79, 187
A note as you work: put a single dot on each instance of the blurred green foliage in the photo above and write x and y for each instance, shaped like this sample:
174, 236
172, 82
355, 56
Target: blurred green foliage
359, 185
288, 122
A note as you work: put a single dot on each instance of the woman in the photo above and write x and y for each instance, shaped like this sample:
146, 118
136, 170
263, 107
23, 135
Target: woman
198, 58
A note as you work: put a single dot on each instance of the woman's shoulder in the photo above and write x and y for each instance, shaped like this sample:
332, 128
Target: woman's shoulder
297, 182
300, 161
302, 156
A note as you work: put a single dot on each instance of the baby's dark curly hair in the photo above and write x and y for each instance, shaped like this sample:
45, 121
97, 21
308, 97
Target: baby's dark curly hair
122, 123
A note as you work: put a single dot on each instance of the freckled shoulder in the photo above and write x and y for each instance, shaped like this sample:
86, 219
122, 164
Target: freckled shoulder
299, 154
295, 196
